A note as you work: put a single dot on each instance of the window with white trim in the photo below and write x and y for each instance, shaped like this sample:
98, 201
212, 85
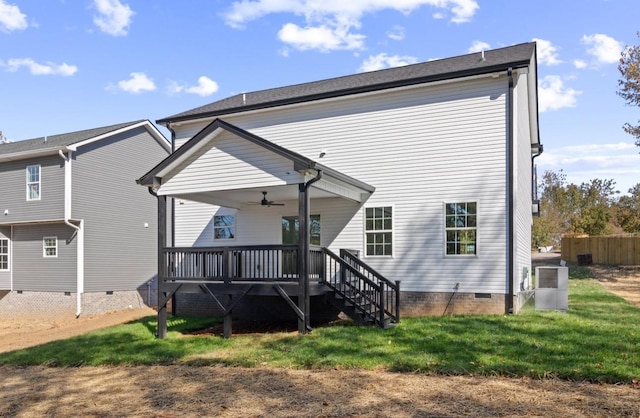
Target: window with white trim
33, 182
50, 247
4, 254
224, 227
378, 225
461, 224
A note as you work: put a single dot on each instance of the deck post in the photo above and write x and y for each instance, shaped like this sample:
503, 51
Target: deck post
227, 319
162, 288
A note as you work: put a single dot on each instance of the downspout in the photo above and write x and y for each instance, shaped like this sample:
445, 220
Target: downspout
174, 305
79, 232
510, 189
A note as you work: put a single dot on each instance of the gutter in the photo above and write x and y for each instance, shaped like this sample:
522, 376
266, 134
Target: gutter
79, 231
510, 189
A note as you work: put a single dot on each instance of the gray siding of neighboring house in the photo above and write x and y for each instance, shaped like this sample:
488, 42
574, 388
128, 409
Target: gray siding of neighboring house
120, 252
34, 272
5, 275
13, 189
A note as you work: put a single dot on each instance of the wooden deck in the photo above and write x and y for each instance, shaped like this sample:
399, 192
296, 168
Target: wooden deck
227, 274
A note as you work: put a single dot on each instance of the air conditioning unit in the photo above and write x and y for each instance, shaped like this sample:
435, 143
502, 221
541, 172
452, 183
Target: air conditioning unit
552, 288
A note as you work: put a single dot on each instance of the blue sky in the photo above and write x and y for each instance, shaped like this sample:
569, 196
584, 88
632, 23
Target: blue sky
68, 65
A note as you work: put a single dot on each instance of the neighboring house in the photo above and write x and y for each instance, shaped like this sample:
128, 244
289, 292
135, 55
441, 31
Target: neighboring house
77, 235
424, 172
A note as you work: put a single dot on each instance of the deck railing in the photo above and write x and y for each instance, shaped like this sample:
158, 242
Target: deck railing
249, 263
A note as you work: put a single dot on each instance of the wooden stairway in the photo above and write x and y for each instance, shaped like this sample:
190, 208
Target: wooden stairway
360, 292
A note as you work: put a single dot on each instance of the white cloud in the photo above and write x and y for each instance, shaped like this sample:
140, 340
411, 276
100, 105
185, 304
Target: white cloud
579, 64
114, 17
582, 163
553, 95
35, 68
478, 46
603, 48
11, 18
547, 52
330, 24
205, 87
323, 38
396, 33
380, 61
138, 83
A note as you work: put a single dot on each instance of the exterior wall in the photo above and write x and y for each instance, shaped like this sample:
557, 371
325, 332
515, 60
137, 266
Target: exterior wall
32, 271
523, 188
13, 189
120, 217
421, 148
5, 276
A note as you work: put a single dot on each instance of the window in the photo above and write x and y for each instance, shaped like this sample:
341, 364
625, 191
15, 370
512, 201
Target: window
461, 228
291, 229
50, 247
4, 254
378, 231
224, 226
33, 182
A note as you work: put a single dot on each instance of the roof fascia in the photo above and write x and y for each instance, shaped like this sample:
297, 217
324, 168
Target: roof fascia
145, 123
351, 91
23, 155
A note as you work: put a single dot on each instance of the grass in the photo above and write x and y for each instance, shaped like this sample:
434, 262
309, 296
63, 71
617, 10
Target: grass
597, 340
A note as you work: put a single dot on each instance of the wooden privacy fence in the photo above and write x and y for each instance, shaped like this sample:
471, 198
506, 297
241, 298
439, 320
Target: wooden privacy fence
618, 249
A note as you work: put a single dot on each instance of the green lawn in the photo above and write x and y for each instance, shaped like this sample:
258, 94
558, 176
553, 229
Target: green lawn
597, 340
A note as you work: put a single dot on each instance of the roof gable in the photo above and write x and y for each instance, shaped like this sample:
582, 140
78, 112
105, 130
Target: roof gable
516, 56
197, 145
51, 144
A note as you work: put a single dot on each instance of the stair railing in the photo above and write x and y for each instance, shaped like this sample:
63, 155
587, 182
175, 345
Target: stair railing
371, 295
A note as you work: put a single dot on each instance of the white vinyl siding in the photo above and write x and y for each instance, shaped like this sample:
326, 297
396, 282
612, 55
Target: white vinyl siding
418, 147
522, 186
237, 164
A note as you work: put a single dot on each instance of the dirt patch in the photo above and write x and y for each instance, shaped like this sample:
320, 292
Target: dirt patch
182, 391
22, 332
623, 281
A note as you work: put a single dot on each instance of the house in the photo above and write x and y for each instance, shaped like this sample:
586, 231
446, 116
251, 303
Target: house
77, 235
419, 174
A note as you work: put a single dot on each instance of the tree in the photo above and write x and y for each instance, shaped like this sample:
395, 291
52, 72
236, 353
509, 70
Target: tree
628, 210
564, 208
629, 84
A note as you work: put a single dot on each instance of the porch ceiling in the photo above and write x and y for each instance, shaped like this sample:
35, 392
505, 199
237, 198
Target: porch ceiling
239, 198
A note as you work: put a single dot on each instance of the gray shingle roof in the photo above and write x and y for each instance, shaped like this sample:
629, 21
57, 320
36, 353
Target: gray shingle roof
61, 140
465, 65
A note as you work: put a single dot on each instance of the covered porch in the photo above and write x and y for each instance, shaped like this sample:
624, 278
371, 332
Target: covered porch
228, 167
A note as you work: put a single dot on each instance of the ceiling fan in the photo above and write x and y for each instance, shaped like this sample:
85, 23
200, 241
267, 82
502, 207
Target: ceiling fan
266, 202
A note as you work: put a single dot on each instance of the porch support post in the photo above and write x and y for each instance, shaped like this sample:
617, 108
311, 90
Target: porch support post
303, 257
162, 288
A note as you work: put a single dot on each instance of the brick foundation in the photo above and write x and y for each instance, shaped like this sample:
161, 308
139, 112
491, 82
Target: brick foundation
447, 303
34, 304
